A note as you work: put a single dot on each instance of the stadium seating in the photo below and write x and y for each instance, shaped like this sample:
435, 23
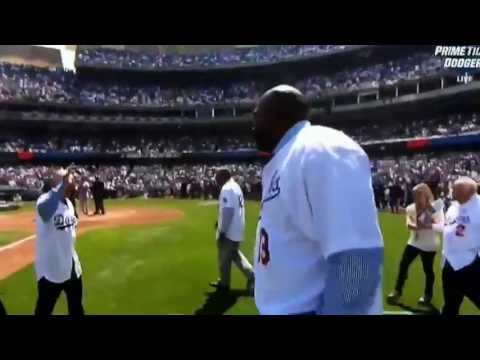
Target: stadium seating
24, 83
240, 56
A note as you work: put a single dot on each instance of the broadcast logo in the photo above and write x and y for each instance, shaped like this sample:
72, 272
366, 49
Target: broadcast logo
464, 60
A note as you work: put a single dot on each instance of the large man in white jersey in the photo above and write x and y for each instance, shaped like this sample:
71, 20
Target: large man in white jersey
230, 231
56, 262
319, 247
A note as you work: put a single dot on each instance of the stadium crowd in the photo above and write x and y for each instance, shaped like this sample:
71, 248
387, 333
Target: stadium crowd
372, 76
239, 56
182, 181
393, 179
171, 146
20, 82
140, 147
449, 125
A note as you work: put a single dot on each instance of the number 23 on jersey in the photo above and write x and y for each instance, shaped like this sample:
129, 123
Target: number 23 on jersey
263, 250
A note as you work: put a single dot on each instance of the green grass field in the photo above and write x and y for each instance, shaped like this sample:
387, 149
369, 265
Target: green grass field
7, 237
166, 268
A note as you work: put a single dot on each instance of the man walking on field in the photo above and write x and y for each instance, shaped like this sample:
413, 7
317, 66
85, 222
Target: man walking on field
230, 231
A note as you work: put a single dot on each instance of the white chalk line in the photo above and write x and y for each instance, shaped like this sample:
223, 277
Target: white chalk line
16, 243
208, 203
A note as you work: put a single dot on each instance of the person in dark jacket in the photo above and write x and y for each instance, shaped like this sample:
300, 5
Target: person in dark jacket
98, 193
396, 194
183, 189
379, 193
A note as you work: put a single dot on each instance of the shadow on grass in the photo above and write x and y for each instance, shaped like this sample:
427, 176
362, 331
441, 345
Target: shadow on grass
3, 312
421, 310
218, 302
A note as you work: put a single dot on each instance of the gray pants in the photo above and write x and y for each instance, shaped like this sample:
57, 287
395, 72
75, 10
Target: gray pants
84, 205
229, 251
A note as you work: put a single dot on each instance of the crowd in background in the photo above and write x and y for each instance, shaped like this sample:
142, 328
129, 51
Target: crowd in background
448, 125
174, 145
394, 179
182, 181
135, 146
372, 76
238, 56
20, 82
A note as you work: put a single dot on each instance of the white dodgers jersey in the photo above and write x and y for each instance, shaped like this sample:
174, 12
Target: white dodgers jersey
461, 234
55, 246
317, 200
231, 196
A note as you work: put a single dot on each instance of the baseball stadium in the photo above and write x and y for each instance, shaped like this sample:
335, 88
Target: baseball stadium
153, 123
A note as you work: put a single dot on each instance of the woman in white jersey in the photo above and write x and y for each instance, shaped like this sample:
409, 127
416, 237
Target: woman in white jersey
422, 219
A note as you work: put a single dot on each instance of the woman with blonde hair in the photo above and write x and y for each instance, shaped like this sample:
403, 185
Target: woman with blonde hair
425, 219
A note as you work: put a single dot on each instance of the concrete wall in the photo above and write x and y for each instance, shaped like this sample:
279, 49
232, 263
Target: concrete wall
30, 55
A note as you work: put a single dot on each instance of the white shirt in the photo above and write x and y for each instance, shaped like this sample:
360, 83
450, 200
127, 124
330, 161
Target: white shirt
426, 239
55, 244
317, 200
461, 234
231, 196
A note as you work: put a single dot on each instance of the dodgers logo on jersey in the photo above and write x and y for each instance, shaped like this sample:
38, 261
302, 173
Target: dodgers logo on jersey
464, 219
451, 221
274, 188
64, 222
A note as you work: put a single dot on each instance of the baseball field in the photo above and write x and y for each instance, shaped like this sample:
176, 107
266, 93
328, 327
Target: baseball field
157, 256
